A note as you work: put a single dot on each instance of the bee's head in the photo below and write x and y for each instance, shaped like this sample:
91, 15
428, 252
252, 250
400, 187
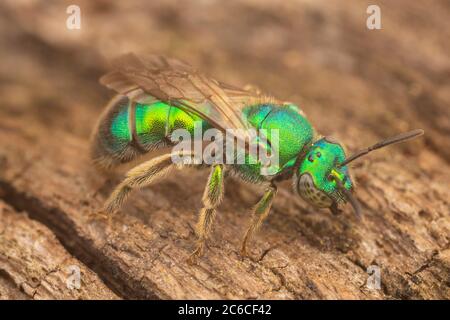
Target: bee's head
322, 178
319, 175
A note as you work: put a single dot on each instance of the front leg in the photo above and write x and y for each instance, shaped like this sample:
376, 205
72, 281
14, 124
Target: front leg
260, 212
212, 197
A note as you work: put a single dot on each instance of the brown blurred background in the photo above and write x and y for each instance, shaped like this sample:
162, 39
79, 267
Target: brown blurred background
356, 84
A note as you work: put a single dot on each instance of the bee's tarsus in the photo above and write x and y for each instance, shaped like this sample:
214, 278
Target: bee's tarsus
243, 252
334, 209
197, 253
260, 212
99, 216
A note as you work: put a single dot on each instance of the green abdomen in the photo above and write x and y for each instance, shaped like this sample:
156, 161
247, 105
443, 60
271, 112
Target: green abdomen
154, 124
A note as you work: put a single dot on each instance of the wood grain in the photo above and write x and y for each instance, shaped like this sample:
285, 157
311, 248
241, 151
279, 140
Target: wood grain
34, 265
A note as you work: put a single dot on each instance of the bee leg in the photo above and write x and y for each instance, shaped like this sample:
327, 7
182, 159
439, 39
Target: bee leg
260, 212
334, 209
138, 177
212, 196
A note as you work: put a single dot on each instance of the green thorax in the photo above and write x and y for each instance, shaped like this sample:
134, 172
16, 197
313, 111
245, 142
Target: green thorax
294, 132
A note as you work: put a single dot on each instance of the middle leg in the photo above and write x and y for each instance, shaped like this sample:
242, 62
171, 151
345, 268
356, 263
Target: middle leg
212, 197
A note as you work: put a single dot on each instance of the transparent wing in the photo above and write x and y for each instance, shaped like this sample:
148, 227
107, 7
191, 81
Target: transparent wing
177, 83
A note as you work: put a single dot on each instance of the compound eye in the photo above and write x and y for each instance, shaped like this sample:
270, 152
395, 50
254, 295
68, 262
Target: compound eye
318, 154
310, 158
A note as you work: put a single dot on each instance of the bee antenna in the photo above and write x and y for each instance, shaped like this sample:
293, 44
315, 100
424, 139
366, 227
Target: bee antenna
386, 142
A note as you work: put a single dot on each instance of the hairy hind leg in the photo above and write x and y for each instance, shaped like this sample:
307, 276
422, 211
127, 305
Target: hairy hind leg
260, 212
138, 177
212, 197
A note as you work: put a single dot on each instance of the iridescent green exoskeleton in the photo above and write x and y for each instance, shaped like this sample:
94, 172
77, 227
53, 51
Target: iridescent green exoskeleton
158, 95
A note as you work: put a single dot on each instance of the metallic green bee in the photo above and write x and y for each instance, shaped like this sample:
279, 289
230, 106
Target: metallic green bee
158, 95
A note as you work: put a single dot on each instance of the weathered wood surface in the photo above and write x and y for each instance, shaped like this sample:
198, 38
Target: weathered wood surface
355, 84
35, 265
